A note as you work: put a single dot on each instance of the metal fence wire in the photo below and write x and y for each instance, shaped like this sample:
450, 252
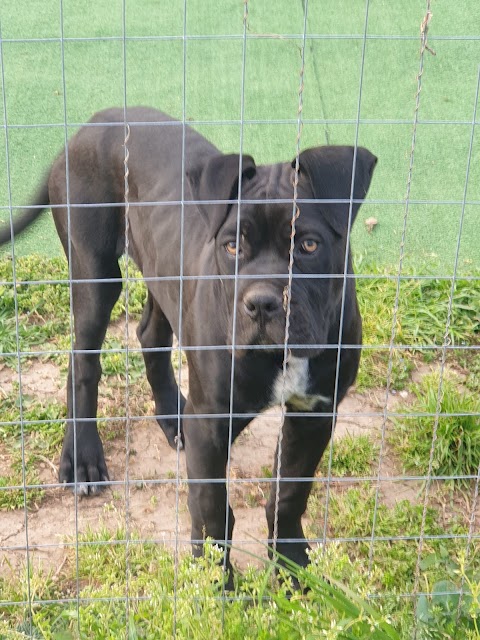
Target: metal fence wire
54, 528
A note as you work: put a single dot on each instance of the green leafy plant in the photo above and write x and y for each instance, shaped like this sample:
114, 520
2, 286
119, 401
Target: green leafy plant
452, 610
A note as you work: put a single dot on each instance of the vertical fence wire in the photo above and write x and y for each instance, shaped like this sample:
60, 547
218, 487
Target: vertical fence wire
472, 516
73, 416
231, 398
345, 272
126, 187
288, 293
423, 48
17, 336
180, 324
446, 343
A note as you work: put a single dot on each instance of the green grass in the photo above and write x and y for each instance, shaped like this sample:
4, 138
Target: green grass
335, 607
257, 611
43, 309
18, 498
394, 554
39, 320
114, 363
470, 361
352, 456
94, 80
421, 320
457, 446
445, 613
42, 435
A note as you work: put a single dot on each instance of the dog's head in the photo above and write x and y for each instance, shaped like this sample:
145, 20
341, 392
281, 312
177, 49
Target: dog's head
256, 244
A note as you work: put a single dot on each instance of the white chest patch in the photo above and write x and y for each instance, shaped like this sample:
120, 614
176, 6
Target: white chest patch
293, 389
296, 381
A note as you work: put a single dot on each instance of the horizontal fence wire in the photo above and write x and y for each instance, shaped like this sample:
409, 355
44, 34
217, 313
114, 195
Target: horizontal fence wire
247, 121
347, 480
233, 36
273, 276
386, 407
246, 201
246, 541
251, 600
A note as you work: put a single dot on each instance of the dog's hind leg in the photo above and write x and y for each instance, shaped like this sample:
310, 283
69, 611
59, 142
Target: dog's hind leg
92, 238
92, 305
154, 332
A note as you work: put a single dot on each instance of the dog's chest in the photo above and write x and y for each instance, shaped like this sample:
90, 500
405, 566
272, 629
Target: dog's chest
293, 383
292, 386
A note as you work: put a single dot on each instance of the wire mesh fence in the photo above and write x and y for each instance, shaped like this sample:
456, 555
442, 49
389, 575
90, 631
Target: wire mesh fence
393, 509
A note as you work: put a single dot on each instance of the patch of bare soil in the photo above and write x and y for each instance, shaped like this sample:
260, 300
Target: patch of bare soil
41, 379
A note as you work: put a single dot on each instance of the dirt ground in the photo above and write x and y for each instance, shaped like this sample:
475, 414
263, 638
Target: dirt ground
151, 509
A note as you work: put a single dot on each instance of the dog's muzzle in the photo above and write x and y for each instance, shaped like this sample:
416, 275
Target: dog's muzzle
262, 304
261, 316
261, 320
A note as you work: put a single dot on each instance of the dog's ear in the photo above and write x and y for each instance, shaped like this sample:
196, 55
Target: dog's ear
218, 179
329, 171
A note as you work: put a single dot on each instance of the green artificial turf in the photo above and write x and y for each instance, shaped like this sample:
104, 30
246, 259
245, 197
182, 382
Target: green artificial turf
94, 79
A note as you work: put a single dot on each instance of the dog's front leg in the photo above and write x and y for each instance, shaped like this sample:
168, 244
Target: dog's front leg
303, 442
206, 448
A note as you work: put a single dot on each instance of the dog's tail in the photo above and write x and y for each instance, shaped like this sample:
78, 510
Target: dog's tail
29, 215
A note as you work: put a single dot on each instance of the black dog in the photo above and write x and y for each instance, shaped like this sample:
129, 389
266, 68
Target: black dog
207, 238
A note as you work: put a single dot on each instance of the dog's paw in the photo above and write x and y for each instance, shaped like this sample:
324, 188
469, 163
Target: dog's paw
171, 433
88, 474
291, 561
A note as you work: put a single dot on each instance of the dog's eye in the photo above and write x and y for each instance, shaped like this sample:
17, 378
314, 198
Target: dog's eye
309, 246
231, 248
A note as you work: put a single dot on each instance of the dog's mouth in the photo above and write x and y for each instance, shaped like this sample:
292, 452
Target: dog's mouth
258, 341
266, 340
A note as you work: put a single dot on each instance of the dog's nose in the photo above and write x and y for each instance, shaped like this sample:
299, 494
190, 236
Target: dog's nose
261, 305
